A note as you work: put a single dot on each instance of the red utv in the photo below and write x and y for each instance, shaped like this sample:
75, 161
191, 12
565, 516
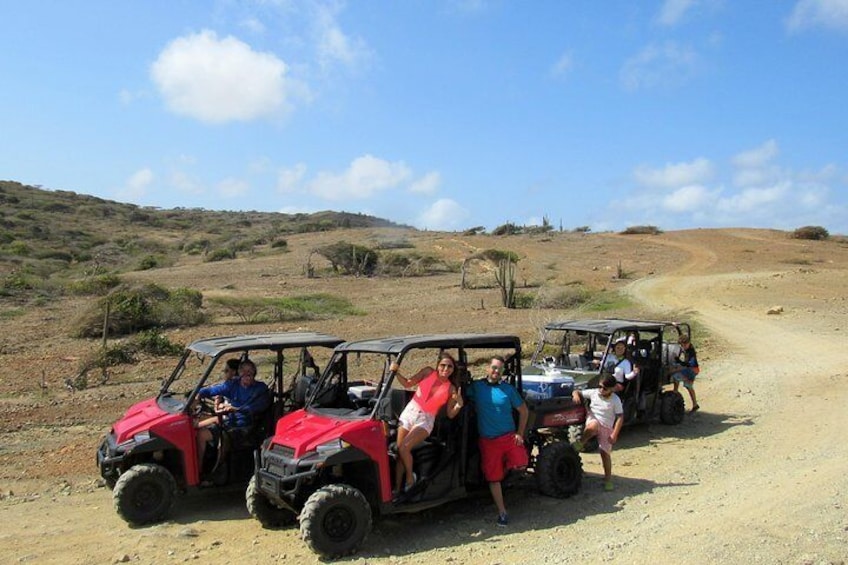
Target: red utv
331, 464
151, 452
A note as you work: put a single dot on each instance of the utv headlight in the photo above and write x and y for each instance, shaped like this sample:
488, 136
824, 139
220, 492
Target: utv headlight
138, 438
331, 447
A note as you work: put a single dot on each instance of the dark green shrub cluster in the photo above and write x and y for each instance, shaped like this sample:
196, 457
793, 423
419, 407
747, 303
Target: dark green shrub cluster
279, 244
253, 309
155, 342
811, 232
410, 264
221, 254
350, 259
133, 309
507, 229
97, 285
642, 230
476, 230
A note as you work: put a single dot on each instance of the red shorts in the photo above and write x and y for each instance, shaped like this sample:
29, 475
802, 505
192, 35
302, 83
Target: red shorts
500, 454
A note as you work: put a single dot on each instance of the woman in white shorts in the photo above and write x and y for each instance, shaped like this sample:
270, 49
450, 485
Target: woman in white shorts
434, 390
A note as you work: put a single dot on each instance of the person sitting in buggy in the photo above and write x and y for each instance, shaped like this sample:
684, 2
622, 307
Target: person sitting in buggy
237, 406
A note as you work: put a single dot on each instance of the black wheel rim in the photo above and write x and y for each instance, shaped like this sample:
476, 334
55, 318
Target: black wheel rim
147, 497
339, 523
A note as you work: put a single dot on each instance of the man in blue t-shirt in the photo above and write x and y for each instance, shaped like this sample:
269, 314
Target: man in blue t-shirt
501, 444
244, 398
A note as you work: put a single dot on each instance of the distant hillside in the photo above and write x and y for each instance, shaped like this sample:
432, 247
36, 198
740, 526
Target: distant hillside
45, 235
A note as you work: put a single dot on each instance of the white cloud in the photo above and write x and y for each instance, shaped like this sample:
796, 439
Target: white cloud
292, 209
832, 14
443, 215
183, 182
289, 180
220, 80
366, 176
757, 157
334, 46
253, 25
232, 188
136, 186
563, 65
675, 175
752, 200
428, 184
688, 199
659, 66
672, 11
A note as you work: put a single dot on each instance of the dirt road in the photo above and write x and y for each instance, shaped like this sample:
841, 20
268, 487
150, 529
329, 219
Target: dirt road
757, 476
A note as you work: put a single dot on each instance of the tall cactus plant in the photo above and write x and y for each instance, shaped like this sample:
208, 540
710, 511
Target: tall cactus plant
505, 277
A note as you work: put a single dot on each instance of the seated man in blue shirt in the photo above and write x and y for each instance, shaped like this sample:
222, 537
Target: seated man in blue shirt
244, 398
501, 444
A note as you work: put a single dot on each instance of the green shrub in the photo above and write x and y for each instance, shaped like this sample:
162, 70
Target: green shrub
811, 232
642, 230
221, 254
523, 300
498, 255
97, 285
133, 309
148, 262
507, 229
348, 258
252, 309
279, 244
155, 343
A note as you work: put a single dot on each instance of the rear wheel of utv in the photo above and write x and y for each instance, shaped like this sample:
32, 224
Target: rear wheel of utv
559, 470
145, 493
335, 520
671, 407
269, 514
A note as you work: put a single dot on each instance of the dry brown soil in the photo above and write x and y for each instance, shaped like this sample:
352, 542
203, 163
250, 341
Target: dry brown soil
757, 476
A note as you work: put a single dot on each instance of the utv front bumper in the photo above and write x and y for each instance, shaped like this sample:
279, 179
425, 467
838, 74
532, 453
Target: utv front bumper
110, 459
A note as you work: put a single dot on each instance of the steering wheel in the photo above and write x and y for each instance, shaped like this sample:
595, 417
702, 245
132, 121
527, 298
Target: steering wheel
204, 407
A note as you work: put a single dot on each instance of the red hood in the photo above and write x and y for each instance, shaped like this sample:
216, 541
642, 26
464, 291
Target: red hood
303, 431
145, 415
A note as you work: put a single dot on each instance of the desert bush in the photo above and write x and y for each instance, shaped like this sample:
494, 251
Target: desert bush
642, 230
253, 309
196, 247
497, 255
395, 244
582, 229
563, 298
95, 285
133, 309
811, 232
410, 264
523, 300
155, 342
349, 258
221, 254
279, 244
507, 229
148, 262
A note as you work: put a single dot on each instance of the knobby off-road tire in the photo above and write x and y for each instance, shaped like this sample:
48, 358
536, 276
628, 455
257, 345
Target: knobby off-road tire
672, 408
559, 470
269, 514
144, 494
575, 434
335, 520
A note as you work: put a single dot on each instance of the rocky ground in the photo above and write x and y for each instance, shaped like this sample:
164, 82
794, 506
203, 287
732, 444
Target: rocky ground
756, 476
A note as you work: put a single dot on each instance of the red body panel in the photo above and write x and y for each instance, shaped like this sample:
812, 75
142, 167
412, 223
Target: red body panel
176, 429
303, 431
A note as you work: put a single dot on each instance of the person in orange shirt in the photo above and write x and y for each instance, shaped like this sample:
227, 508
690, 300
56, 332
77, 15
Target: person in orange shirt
434, 390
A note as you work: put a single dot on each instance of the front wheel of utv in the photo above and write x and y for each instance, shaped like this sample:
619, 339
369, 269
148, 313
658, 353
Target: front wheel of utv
672, 408
144, 494
269, 514
335, 520
559, 470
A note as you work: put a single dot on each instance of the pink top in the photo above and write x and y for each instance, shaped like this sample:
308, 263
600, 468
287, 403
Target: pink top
432, 393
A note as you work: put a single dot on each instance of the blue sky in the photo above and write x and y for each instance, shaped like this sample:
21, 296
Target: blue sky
441, 114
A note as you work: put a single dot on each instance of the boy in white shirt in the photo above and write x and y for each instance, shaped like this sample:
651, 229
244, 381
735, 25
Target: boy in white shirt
604, 419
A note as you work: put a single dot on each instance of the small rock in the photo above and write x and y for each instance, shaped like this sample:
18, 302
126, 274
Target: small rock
188, 533
122, 559
775, 310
